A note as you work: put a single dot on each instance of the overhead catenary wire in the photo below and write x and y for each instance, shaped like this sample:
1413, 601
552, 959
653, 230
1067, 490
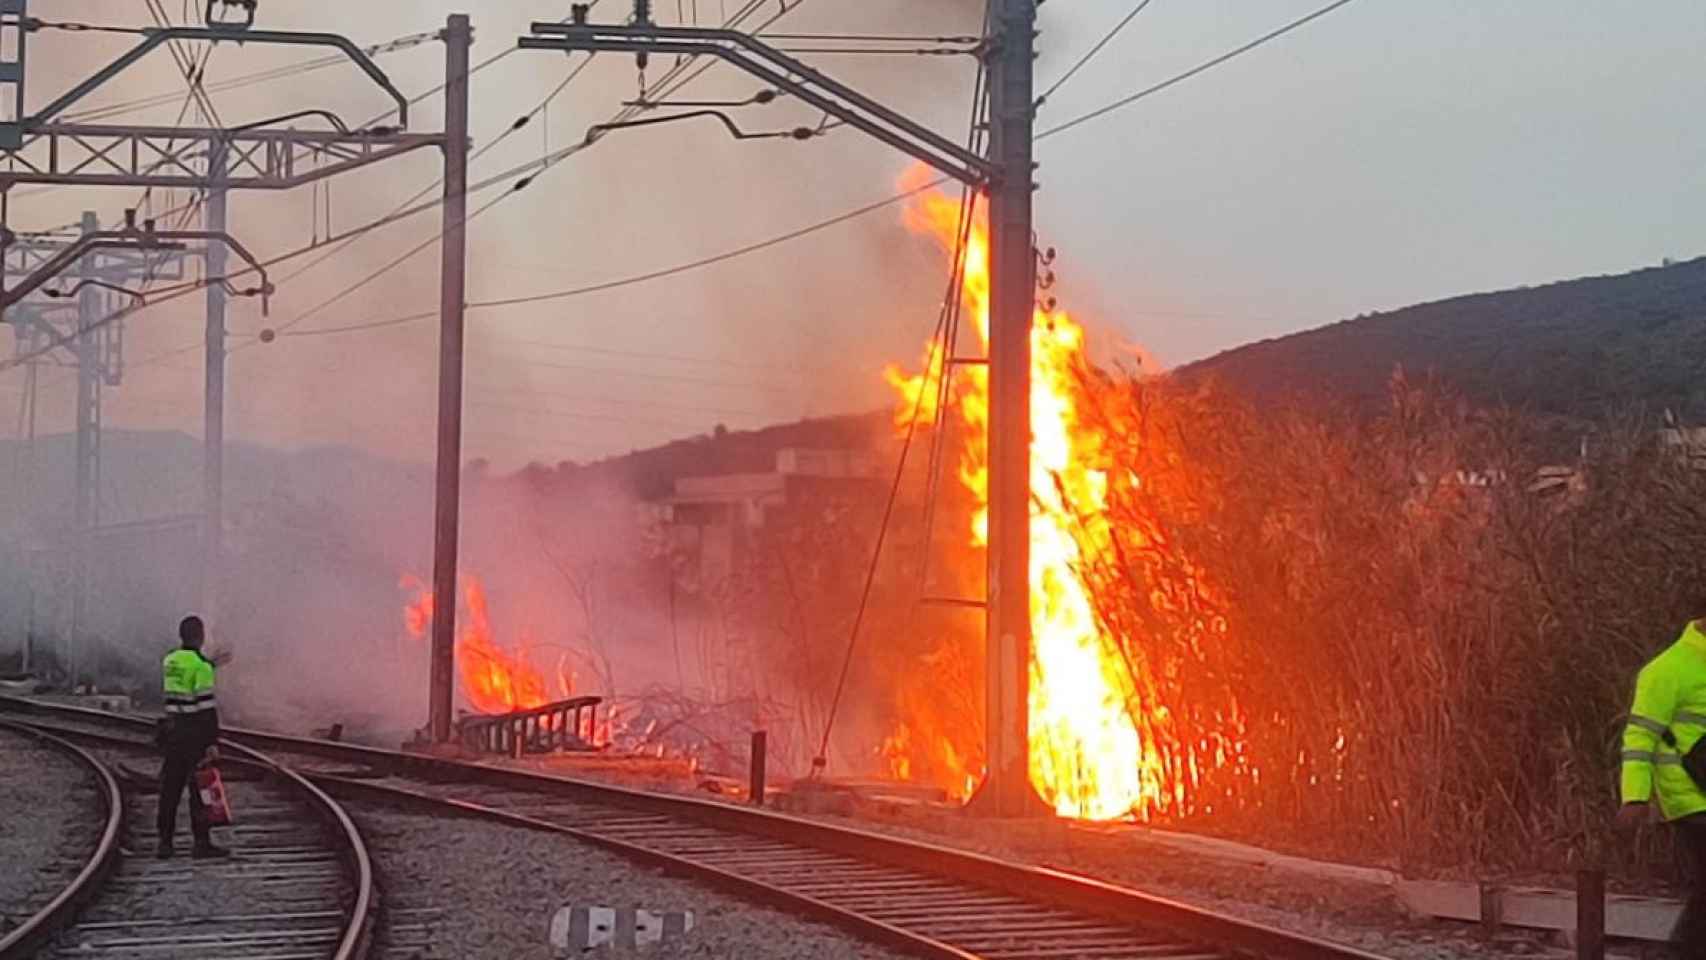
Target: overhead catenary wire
611, 418
544, 164
402, 212
183, 289
602, 286
660, 377
1091, 53
1186, 75
718, 258
892, 200
286, 71
488, 390
790, 370
186, 60
727, 255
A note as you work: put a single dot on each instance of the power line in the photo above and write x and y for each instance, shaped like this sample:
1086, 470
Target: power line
590, 417
351, 328
487, 390
660, 377
186, 60
897, 198
544, 164
1091, 54
861, 211
178, 291
749, 249
741, 251
1199, 68
516, 125
789, 369
406, 42
703, 262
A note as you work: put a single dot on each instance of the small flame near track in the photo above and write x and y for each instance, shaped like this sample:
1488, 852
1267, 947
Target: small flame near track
1103, 745
493, 677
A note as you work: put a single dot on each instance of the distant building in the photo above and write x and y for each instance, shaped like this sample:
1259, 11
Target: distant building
711, 519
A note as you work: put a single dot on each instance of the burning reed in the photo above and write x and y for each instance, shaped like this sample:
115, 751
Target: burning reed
1365, 633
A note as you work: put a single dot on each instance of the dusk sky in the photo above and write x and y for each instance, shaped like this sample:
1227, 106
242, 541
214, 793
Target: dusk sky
1386, 154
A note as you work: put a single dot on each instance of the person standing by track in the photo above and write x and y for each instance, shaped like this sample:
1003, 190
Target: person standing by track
1660, 760
189, 731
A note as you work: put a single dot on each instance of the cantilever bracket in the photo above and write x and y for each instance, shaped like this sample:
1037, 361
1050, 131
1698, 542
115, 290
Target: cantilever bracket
12, 133
130, 237
799, 133
779, 71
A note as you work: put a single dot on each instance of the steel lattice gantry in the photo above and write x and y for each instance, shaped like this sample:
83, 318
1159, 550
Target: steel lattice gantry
166, 157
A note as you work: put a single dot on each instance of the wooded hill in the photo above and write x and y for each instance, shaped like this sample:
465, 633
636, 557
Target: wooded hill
1574, 349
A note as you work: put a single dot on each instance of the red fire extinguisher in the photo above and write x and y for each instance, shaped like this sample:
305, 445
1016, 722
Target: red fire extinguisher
213, 797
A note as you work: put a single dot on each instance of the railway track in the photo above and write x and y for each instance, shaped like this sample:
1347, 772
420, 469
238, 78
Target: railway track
920, 898
297, 886
61, 880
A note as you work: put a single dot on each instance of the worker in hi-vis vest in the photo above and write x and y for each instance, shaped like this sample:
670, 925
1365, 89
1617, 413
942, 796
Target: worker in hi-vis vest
1667, 719
190, 728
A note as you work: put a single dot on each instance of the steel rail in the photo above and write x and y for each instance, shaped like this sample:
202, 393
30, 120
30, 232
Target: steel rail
355, 936
357, 933
808, 866
23, 939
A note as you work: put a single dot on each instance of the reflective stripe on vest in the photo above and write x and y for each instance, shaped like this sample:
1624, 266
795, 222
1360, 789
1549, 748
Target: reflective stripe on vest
1667, 752
188, 682
1651, 726
1648, 756
177, 703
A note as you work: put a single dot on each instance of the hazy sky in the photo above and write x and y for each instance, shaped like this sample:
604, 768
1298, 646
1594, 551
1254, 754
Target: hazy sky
1389, 153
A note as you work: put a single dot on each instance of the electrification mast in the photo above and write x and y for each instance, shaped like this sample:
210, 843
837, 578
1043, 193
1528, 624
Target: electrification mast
1012, 303
39, 148
1005, 174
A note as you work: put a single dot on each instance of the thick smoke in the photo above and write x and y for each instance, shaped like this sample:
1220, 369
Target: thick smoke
329, 499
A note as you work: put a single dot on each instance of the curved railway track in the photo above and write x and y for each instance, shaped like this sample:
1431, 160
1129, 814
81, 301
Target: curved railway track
297, 886
26, 925
923, 899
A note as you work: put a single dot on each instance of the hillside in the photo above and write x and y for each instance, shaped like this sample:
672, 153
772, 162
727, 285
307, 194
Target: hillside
1573, 349
650, 474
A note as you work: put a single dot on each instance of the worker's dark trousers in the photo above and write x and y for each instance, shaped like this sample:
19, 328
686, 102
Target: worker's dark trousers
1691, 929
176, 773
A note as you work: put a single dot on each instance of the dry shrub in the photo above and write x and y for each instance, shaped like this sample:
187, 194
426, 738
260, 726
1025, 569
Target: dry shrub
1429, 660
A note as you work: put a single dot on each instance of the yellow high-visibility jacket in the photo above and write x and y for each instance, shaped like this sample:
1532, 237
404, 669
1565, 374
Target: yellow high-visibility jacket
192, 713
1670, 694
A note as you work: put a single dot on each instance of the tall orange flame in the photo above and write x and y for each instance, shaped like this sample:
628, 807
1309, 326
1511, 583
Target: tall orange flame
1087, 758
492, 678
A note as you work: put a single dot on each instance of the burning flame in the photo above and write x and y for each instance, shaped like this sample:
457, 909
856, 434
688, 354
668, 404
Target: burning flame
1087, 758
493, 679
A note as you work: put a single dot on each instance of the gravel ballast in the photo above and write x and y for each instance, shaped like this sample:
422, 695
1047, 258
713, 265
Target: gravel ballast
50, 821
472, 890
1364, 916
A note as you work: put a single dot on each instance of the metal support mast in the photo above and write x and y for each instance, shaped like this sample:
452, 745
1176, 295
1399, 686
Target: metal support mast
458, 36
1012, 268
88, 351
1006, 174
213, 402
39, 149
